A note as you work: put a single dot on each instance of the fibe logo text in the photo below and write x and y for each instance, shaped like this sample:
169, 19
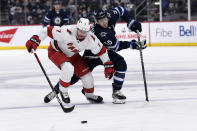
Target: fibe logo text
191, 31
160, 32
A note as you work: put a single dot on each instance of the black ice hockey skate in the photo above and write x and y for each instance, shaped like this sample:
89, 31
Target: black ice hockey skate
65, 97
50, 96
118, 97
93, 98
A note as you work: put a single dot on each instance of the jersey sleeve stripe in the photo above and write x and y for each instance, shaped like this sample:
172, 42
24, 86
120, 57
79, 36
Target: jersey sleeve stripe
46, 21
55, 45
46, 18
122, 11
131, 23
102, 51
114, 46
117, 10
49, 30
93, 37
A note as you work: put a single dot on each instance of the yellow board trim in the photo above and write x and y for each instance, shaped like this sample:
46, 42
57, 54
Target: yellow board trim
173, 44
21, 47
152, 44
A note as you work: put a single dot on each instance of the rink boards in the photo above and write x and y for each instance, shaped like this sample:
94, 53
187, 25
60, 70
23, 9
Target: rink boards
182, 33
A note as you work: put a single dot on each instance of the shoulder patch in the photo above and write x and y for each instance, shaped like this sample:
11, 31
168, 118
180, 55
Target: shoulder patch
69, 31
93, 37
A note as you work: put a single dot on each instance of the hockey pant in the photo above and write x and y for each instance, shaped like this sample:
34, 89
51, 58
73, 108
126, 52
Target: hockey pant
92, 61
69, 66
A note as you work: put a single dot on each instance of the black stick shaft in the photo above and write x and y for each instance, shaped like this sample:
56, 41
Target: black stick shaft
143, 69
58, 99
43, 70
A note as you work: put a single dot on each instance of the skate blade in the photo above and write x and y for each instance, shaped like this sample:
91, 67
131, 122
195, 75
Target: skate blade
93, 102
67, 107
118, 101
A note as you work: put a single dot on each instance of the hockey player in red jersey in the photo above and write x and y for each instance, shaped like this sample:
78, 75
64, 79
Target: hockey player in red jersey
65, 45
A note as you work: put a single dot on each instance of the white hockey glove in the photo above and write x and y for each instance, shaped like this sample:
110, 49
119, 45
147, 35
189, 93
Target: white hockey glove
136, 45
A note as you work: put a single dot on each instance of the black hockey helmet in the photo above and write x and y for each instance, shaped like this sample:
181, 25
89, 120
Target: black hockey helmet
100, 14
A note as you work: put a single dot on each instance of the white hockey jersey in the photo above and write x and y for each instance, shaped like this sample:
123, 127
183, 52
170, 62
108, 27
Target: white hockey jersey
64, 39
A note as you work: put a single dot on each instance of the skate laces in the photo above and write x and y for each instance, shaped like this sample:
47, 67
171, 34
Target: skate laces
92, 96
52, 95
65, 94
118, 93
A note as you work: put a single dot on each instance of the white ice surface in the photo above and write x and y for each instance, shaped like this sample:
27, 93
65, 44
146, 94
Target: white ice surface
172, 86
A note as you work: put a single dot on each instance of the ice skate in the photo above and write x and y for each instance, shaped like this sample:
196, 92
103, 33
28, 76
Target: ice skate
118, 97
65, 97
93, 98
64, 94
50, 96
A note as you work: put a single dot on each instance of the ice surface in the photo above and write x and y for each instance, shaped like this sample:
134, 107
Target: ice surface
172, 86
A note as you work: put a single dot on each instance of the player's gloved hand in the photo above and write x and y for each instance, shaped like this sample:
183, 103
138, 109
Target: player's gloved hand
109, 69
136, 45
134, 25
32, 43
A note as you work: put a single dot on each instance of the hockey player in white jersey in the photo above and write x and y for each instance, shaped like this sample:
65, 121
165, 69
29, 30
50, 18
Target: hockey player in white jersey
65, 45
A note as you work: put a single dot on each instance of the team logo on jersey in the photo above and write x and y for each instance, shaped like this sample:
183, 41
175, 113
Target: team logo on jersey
57, 20
72, 48
6, 36
103, 34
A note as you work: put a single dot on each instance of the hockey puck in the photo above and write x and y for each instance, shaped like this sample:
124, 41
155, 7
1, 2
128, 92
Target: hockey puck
83, 122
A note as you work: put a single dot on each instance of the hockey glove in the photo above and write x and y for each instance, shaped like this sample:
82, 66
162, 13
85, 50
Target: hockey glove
32, 43
136, 45
134, 26
109, 69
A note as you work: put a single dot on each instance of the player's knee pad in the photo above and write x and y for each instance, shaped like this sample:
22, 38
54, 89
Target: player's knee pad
66, 72
88, 81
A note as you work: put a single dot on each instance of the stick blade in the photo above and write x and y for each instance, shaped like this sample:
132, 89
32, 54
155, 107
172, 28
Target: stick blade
68, 109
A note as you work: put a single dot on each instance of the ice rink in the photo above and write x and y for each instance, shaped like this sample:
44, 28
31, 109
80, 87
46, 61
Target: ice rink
171, 74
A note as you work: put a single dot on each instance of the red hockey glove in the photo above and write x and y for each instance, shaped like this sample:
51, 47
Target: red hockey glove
109, 69
32, 43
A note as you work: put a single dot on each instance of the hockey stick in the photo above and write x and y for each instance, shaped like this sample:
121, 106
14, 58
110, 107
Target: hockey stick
65, 109
142, 63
